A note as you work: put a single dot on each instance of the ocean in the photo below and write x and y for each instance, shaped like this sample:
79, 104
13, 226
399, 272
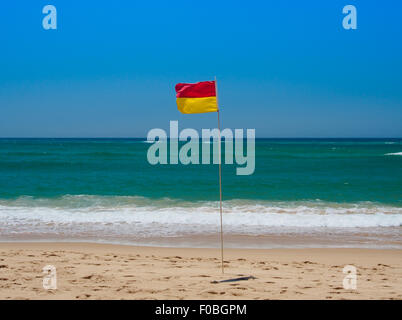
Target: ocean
303, 193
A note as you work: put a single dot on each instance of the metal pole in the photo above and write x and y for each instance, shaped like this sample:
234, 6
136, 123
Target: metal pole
220, 174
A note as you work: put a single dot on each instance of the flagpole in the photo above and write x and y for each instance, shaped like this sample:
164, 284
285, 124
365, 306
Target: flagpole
220, 173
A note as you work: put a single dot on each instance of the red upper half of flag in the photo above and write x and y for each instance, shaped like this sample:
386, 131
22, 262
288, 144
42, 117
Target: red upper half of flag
196, 90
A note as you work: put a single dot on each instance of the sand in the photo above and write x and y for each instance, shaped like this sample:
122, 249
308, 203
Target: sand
103, 271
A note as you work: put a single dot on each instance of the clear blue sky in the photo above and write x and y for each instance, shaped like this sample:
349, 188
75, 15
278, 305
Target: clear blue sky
285, 68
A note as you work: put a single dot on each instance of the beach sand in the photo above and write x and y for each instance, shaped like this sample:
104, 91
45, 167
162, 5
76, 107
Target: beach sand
103, 271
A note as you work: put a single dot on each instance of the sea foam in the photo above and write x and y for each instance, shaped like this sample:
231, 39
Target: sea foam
156, 217
394, 154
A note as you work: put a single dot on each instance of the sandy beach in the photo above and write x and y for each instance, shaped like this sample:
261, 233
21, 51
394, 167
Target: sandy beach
103, 271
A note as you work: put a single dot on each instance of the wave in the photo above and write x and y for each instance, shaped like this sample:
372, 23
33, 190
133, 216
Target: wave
394, 154
239, 215
171, 222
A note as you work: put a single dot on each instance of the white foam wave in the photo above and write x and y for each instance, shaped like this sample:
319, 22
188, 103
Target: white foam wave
297, 217
142, 221
136, 215
394, 154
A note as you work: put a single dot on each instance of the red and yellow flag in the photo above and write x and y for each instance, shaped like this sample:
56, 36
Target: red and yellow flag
197, 97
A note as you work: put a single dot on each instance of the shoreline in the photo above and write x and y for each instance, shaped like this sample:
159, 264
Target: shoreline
109, 271
370, 238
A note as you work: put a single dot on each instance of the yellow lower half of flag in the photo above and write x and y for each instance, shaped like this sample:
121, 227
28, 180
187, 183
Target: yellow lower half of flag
197, 105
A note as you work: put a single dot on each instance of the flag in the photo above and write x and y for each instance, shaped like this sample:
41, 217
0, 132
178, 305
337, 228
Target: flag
197, 97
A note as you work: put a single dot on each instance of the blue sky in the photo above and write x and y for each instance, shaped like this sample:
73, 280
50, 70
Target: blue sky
285, 68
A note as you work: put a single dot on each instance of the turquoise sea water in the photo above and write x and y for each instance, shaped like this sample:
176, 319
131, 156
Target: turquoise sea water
335, 170
54, 187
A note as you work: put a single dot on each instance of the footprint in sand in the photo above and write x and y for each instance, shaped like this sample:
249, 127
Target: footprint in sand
236, 294
212, 292
383, 265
